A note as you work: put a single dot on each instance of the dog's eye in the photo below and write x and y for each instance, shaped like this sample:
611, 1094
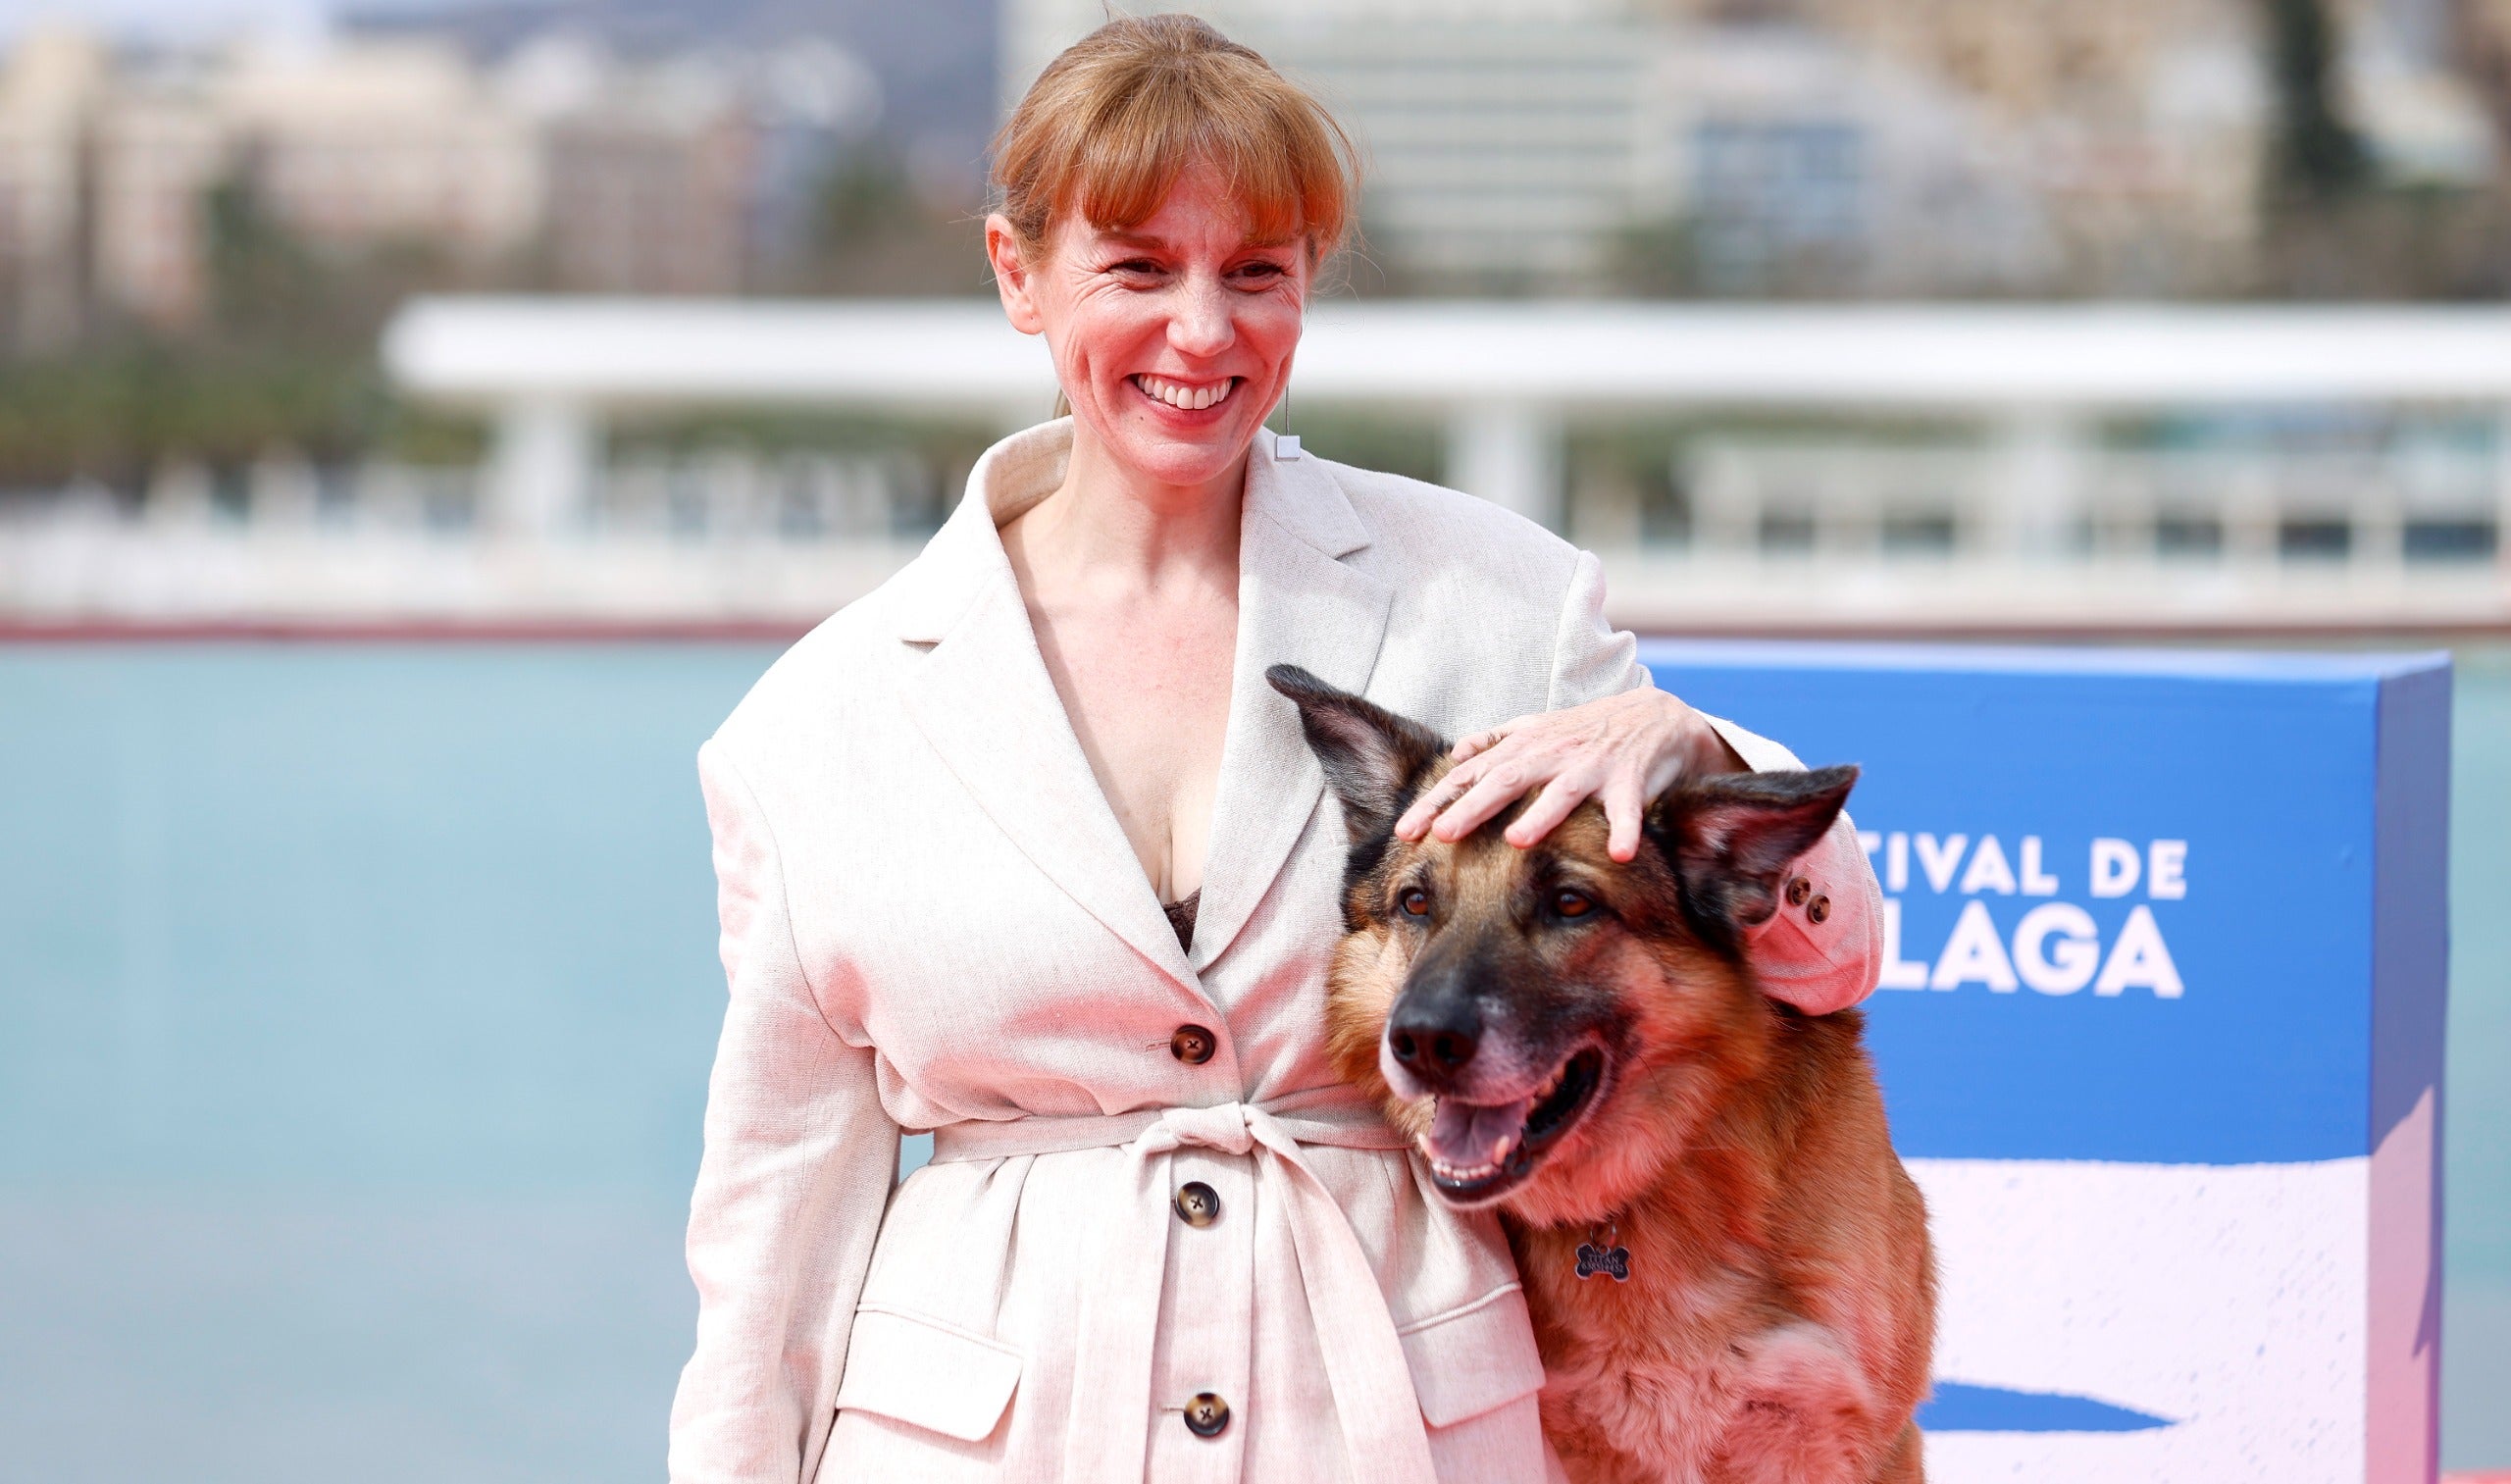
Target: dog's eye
1414, 901
1568, 903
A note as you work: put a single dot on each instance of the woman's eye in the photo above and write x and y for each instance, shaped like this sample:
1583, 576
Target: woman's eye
1568, 903
1414, 901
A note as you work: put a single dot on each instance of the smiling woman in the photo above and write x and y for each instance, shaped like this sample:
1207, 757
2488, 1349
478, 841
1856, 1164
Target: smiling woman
1158, 1236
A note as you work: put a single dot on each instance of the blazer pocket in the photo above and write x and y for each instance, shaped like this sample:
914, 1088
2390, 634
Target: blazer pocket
927, 1373
1473, 1358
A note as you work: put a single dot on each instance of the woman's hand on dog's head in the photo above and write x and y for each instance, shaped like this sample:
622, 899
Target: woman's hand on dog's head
1622, 751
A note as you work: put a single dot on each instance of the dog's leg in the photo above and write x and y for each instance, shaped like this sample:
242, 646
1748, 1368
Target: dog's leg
1803, 1412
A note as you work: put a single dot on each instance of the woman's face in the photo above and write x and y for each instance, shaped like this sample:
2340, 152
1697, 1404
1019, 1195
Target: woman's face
1173, 336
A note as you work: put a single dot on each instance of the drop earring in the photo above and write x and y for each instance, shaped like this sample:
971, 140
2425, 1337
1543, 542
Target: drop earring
1285, 442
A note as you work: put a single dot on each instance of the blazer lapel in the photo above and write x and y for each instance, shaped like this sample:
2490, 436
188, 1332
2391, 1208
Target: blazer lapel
1299, 604
981, 697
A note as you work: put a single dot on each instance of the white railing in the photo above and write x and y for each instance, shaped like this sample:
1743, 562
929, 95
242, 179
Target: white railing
2030, 503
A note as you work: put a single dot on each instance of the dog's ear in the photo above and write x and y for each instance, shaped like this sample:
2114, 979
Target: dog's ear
1373, 759
1732, 835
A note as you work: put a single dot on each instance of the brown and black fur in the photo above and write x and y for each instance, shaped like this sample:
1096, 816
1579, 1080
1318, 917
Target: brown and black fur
1779, 1313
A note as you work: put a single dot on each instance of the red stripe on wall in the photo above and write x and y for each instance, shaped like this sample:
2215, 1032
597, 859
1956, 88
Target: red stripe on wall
406, 631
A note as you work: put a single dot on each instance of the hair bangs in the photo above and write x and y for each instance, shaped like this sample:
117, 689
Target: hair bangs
1110, 128
1126, 171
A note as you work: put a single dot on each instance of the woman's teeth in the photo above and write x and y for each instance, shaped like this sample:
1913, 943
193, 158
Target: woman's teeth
1187, 398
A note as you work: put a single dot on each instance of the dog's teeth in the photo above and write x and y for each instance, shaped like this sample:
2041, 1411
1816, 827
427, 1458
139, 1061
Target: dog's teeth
1500, 1150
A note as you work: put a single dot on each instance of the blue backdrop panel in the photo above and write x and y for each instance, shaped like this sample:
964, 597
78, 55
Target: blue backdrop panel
2134, 891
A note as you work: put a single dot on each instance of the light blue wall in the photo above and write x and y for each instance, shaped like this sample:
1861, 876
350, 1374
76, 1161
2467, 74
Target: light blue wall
355, 1012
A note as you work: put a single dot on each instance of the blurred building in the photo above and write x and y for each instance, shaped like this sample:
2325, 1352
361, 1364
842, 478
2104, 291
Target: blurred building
922, 74
379, 142
1777, 159
558, 163
157, 150
345, 148
643, 167
46, 90
2134, 130
1862, 146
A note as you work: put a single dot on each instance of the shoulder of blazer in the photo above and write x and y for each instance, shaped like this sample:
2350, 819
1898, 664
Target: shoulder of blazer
1417, 527
844, 659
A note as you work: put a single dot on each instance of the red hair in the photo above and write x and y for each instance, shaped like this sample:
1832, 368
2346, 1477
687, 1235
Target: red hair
1111, 125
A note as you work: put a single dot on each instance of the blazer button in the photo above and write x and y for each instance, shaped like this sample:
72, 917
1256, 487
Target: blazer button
1198, 1203
1192, 1044
1818, 910
1798, 888
1206, 1415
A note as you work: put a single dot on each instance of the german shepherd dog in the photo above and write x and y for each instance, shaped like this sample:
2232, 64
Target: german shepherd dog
1728, 1270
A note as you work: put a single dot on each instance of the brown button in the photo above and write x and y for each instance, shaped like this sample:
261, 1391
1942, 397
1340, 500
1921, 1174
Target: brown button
1192, 1044
1206, 1415
1798, 888
1198, 1203
1818, 910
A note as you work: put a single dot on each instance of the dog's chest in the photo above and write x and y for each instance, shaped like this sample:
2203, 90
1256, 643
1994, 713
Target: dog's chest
1639, 1376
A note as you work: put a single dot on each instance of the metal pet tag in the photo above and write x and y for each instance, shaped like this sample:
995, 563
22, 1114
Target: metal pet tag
1613, 1261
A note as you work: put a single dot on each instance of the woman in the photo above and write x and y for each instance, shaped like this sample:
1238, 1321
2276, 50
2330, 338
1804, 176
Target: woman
1021, 849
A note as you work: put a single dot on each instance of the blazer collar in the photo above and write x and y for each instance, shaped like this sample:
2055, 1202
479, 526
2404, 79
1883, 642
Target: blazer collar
966, 556
983, 699
1298, 603
1299, 499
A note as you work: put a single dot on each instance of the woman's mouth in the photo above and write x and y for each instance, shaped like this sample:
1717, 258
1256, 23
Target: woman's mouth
1480, 1152
1185, 396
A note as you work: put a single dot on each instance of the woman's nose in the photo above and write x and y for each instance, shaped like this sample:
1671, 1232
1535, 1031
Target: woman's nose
1201, 325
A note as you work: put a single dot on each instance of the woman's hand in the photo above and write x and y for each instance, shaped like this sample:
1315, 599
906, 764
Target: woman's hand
1622, 751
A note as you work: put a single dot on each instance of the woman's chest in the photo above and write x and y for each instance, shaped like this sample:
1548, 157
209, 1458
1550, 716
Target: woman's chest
1147, 688
999, 962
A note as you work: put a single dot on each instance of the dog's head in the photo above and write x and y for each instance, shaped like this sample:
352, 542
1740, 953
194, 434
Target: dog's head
1550, 1024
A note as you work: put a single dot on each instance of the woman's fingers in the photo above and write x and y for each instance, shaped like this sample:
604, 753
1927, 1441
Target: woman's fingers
1484, 741
1621, 752
1417, 819
1626, 802
1508, 777
1558, 800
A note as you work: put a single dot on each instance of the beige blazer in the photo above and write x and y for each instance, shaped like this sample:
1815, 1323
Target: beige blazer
932, 920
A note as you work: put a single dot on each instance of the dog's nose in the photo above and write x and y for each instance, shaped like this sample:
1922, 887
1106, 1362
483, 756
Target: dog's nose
1435, 1045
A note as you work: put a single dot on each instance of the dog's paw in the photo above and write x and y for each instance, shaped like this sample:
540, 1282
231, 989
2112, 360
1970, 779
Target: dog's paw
1802, 1412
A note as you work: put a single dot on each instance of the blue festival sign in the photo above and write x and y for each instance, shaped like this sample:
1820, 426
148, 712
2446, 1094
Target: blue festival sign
2159, 1033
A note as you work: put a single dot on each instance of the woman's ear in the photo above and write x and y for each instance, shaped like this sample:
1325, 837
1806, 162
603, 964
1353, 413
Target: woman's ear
1012, 276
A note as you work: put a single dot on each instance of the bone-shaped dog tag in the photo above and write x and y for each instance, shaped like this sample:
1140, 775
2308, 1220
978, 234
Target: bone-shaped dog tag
1613, 1261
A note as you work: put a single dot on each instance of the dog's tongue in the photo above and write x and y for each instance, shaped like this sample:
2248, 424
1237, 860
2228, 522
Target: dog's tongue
1467, 1135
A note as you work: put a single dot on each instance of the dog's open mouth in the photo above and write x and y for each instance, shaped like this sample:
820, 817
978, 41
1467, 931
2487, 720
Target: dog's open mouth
1479, 1151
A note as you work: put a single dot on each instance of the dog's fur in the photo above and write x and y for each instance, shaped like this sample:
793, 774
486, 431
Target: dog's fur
1777, 1320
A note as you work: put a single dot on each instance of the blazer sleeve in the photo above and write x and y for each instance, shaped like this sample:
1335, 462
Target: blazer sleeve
798, 1165
1818, 966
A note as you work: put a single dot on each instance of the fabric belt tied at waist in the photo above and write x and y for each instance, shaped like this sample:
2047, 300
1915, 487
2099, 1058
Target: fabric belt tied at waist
1383, 1435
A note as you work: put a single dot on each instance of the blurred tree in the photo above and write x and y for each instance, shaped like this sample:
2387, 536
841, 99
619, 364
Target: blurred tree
880, 233
283, 361
2332, 227
261, 280
2317, 152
